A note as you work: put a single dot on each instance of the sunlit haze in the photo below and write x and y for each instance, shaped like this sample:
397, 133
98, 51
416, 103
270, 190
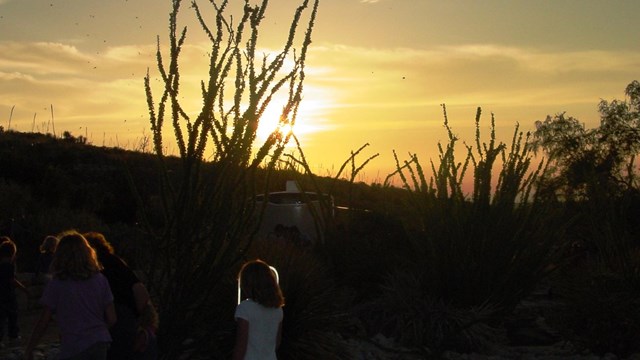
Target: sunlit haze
377, 71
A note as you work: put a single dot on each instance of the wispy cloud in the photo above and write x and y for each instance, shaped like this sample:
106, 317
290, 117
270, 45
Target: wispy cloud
393, 96
40, 57
91, 89
557, 62
102, 89
347, 88
398, 92
492, 73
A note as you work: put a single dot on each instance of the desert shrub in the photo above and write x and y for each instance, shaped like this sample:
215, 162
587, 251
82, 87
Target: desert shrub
29, 231
486, 251
408, 312
359, 243
55, 220
16, 199
600, 313
587, 163
600, 286
365, 248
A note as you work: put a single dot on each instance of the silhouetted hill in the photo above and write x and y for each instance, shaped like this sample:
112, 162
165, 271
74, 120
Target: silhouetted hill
49, 184
69, 173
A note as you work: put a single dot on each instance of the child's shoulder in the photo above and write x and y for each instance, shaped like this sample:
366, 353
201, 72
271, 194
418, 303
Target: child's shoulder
246, 302
251, 304
246, 305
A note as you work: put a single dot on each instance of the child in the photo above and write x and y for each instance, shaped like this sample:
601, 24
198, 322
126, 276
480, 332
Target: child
42, 274
8, 283
259, 317
130, 297
80, 297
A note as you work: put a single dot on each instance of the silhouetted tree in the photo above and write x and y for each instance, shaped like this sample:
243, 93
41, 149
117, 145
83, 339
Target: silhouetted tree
584, 163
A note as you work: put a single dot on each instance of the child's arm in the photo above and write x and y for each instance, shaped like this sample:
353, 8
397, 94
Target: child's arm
38, 331
242, 337
110, 315
141, 296
141, 341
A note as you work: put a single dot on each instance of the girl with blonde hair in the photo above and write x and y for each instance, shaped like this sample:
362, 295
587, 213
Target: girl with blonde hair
259, 316
80, 297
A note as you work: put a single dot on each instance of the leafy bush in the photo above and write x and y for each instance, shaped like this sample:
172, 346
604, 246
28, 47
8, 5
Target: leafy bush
590, 162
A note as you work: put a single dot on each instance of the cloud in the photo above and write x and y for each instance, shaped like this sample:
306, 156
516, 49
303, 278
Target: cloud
88, 88
398, 92
100, 88
555, 62
41, 58
488, 72
393, 91
392, 97
525, 58
15, 76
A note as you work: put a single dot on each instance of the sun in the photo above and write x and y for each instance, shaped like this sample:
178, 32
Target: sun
304, 127
270, 122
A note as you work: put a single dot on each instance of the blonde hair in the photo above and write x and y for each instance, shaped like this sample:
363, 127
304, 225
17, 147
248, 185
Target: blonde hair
259, 283
49, 244
74, 258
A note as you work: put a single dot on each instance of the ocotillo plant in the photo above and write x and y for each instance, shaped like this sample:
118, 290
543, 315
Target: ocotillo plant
483, 250
207, 221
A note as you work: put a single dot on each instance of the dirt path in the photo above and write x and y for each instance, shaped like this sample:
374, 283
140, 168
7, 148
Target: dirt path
28, 314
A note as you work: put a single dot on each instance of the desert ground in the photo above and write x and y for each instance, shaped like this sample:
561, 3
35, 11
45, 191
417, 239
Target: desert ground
538, 340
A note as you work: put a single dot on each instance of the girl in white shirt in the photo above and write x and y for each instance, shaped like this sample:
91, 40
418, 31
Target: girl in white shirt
259, 316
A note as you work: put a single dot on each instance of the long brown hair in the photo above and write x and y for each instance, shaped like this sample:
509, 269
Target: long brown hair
74, 258
258, 283
99, 243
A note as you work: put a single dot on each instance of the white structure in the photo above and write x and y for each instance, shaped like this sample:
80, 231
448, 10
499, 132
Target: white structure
293, 208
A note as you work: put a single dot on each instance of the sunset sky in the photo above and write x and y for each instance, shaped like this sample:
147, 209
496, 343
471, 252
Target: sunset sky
377, 71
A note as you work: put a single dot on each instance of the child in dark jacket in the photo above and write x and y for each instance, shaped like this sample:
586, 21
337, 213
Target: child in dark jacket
8, 283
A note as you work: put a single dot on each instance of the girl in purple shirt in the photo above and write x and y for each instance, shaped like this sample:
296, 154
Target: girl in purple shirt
81, 299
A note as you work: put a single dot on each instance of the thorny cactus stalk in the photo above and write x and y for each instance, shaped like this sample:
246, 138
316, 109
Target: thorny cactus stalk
206, 222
